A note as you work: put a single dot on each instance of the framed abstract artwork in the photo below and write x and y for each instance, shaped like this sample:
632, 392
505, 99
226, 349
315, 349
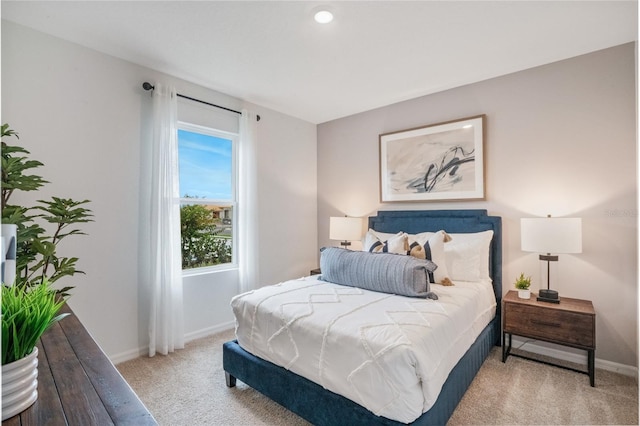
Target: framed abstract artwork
438, 162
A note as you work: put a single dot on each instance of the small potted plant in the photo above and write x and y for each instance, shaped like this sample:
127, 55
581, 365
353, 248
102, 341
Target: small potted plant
26, 314
522, 284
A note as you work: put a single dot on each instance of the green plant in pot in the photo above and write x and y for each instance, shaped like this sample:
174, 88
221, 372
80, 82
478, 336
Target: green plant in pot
522, 284
26, 314
30, 303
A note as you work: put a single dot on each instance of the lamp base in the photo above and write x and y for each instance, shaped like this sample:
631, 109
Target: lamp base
549, 296
345, 244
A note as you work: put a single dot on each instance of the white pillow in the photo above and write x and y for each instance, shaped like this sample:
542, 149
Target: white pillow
395, 243
383, 236
431, 246
467, 256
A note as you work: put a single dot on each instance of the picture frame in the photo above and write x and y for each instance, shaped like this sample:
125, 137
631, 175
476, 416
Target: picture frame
437, 162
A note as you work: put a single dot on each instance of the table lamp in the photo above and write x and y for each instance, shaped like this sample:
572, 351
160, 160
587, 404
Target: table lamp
549, 235
346, 229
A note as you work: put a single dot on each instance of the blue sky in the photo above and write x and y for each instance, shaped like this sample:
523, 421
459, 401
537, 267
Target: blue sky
205, 165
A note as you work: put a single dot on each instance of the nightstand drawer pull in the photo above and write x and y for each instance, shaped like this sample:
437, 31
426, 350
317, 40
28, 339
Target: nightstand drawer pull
549, 324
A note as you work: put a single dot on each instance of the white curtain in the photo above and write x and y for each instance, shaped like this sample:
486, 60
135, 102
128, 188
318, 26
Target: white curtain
163, 271
248, 203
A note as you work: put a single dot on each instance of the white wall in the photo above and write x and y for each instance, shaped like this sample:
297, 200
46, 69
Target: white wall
560, 140
288, 209
81, 113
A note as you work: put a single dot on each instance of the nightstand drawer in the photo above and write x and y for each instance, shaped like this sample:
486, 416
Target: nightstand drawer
553, 325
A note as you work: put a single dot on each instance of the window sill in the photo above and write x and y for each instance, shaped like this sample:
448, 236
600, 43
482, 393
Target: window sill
209, 270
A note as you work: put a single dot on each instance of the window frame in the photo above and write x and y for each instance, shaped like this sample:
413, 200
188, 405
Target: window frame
233, 202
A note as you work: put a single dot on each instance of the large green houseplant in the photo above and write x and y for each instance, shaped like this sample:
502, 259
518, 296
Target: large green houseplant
30, 304
40, 228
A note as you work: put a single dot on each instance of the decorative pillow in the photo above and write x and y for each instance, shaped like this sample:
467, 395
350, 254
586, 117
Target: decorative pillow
382, 235
430, 246
467, 256
393, 243
382, 272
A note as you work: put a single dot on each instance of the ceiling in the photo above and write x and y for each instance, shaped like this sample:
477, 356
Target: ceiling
373, 54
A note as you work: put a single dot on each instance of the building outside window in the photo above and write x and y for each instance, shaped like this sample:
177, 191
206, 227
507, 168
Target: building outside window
208, 197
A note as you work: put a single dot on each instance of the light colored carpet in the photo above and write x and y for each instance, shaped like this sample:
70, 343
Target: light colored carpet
188, 388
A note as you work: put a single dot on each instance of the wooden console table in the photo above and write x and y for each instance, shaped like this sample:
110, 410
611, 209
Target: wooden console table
78, 385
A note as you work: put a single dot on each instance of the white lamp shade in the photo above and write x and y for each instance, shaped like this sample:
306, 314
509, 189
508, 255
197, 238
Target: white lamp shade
345, 228
551, 235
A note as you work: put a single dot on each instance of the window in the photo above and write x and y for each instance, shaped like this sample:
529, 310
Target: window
208, 201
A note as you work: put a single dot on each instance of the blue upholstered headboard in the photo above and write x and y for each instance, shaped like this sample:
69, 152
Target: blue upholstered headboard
452, 221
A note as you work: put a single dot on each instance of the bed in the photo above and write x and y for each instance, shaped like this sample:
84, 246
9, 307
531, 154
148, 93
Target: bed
316, 402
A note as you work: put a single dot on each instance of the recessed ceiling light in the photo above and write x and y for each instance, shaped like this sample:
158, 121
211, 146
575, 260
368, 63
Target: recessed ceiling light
323, 17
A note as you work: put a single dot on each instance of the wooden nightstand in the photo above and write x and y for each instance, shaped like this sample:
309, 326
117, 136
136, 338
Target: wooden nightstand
572, 322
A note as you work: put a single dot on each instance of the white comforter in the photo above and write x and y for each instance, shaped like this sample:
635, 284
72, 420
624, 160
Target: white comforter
390, 354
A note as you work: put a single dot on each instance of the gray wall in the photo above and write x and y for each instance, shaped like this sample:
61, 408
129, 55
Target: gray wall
81, 113
560, 140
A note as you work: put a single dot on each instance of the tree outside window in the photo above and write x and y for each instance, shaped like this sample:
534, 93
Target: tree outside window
208, 201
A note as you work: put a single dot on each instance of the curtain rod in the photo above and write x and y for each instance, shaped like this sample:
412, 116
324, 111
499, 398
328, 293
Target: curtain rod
148, 86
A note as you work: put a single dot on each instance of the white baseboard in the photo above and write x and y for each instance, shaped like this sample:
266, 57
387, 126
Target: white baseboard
530, 346
129, 355
194, 335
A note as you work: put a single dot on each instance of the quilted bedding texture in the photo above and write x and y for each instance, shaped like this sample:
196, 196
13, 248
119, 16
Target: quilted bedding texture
391, 354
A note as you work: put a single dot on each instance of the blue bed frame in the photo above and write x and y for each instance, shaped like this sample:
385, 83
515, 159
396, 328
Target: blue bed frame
325, 408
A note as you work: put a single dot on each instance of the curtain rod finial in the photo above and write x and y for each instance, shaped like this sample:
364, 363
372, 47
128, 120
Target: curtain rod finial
147, 86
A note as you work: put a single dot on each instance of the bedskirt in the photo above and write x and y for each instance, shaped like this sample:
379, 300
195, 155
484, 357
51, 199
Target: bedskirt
324, 408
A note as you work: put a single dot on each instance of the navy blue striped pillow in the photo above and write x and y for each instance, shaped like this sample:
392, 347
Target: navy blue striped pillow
382, 272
